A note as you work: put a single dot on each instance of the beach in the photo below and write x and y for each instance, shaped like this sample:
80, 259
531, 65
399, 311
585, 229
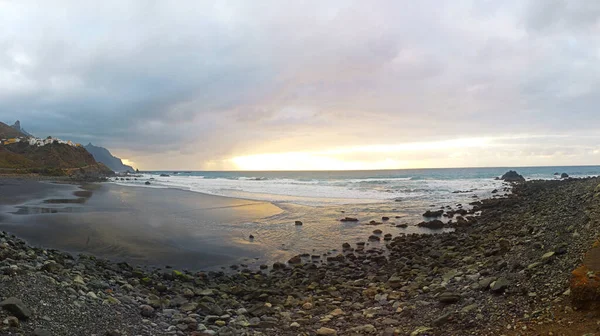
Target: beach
507, 273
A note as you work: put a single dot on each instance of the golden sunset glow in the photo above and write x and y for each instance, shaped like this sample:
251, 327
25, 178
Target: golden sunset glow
394, 156
129, 163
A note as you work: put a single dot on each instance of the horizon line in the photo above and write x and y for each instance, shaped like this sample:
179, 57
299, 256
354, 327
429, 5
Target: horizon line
364, 170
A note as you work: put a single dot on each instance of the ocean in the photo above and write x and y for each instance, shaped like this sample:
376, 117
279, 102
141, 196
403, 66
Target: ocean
350, 187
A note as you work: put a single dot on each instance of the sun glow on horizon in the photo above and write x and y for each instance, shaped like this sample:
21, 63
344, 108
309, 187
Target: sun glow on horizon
128, 163
394, 156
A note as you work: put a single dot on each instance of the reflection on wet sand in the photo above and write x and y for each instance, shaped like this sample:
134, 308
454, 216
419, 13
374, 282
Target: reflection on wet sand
159, 227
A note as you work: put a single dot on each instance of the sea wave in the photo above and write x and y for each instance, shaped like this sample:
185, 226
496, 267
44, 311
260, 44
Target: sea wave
320, 191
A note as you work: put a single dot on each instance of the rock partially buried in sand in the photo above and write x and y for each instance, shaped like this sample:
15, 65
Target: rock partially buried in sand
297, 223
349, 219
326, 332
16, 307
251, 237
41, 332
448, 298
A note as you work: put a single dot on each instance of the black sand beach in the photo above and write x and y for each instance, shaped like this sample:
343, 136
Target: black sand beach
505, 273
147, 226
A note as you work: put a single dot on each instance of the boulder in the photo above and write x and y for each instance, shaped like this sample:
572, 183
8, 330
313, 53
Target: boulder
297, 223
564, 175
16, 307
326, 332
499, 285
146, 310
147, 183
433, 214
448, 298
512, 176
349, 219
295, 260
435, 224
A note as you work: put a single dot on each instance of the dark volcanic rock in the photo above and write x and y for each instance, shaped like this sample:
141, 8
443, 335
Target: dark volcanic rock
349, 219
564, 175
512, 176
448, 298
433, 214
297, 223
434, 224
16, 307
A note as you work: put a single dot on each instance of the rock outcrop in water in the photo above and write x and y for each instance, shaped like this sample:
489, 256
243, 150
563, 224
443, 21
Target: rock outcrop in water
512, 176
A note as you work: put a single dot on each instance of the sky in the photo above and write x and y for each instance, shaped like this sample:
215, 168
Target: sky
293, 85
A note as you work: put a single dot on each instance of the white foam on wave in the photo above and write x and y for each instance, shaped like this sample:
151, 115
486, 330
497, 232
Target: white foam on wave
320, 192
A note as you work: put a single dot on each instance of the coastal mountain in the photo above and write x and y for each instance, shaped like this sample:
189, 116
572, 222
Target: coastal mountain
7, 132
23, 154
104, 156
17, 126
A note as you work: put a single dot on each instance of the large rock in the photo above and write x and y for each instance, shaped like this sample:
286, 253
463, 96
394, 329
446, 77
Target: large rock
16, 307
448, 298
326, 331
146, 311
564, 175
499, 285
435, 224
433, 214
512, 176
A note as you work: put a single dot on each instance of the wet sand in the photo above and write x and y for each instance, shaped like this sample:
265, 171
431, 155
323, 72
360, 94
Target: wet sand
141, 225
188, 230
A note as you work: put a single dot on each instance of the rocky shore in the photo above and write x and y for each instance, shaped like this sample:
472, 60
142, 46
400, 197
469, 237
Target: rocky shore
505, 272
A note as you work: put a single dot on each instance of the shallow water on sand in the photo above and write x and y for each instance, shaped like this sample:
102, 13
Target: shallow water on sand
191, 230
166, 227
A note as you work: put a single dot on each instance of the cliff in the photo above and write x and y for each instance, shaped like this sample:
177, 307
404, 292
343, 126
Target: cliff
104, 156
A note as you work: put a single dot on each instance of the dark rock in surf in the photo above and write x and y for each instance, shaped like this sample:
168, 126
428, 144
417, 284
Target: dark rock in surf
164, 175
147, 183
564, 175
512, 176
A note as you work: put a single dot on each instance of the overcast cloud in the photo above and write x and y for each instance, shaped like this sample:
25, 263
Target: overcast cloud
201, 82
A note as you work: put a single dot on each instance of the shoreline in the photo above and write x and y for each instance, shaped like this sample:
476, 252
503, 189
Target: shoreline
493, 277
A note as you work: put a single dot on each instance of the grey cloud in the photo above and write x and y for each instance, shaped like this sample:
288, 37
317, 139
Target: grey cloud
204, 81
